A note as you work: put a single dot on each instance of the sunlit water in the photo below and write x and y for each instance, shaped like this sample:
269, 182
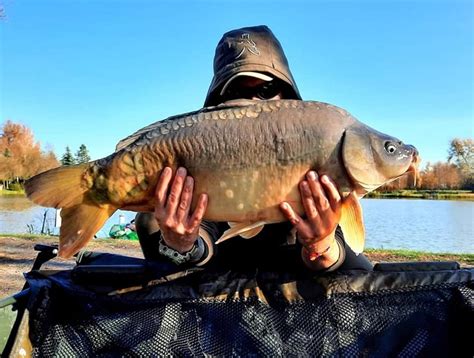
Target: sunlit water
428, 225
19, 216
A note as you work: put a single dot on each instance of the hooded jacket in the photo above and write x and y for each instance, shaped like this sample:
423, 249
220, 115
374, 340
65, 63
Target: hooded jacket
249, 49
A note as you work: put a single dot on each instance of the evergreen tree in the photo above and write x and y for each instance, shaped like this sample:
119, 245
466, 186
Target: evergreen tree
82, 155
67, 158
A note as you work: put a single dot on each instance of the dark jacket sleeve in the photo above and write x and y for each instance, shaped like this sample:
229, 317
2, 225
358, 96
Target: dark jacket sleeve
269, 250
149, 236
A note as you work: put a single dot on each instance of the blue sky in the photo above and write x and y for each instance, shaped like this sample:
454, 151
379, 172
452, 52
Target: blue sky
93, 72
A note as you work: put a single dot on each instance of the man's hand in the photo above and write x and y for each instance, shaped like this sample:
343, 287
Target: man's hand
179, 227
322, 205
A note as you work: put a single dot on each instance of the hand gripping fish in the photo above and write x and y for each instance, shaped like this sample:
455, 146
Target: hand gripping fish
248, 156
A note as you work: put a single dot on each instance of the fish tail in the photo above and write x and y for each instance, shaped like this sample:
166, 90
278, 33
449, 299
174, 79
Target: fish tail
67, 188
79, 225
58, 188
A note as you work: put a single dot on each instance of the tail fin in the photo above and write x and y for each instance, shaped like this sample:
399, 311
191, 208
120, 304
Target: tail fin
66, 188
79, 225
58, 188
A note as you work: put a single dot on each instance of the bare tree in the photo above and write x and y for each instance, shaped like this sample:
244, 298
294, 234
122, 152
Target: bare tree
461, 152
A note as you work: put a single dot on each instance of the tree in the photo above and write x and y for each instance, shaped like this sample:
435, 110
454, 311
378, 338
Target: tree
82, 155
461, 152
20, 155
67, 158
441, 176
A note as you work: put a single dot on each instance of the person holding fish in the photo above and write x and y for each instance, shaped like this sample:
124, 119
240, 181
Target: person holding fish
252, 174
249, 64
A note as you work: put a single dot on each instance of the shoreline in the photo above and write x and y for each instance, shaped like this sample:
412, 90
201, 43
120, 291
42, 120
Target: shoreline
451, 194
461, 195
18, 254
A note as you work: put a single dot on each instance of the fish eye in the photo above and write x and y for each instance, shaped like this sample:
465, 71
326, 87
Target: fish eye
390, 148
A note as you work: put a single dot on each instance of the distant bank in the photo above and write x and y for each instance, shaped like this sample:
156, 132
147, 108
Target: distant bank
12, 192
423, 194
396, 194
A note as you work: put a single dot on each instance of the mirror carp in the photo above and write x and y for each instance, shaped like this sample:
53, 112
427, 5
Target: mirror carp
248, 156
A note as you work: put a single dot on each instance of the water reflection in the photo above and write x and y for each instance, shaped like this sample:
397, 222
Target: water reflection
15, 203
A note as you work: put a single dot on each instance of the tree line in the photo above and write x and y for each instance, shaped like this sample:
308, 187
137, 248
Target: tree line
82, 156
21, 156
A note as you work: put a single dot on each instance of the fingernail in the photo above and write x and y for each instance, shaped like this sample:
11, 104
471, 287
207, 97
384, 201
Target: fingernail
325, 179
181, 171
305, 187
312, 175
295, 221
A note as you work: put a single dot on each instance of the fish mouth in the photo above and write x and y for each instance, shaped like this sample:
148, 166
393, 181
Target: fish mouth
413, 169
361, 189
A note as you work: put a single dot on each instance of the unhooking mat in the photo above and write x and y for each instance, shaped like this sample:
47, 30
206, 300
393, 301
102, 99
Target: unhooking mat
410, 310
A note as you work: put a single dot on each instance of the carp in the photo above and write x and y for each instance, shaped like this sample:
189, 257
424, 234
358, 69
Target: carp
248, 156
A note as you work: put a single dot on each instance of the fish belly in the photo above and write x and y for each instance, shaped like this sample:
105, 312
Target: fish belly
250, 194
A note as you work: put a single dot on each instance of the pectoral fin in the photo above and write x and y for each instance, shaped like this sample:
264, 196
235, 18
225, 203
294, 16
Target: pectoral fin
246, 229
352, 223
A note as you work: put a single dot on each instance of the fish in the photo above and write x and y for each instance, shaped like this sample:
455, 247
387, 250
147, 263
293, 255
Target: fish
248, 156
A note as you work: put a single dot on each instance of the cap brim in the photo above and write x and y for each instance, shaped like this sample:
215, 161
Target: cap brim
258, 75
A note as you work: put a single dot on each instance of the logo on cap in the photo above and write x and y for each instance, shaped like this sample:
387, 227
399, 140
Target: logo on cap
247, 44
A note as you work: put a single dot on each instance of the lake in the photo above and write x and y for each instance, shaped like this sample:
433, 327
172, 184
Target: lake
428, 225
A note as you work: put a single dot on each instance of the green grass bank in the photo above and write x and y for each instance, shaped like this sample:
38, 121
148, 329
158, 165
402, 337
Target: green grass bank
375, 255
423, 194
395, 194
12, 192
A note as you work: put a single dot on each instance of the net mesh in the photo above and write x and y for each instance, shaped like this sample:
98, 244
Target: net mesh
177, 319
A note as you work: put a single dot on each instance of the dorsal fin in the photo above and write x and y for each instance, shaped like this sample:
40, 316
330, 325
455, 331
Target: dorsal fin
125, 142
151, 127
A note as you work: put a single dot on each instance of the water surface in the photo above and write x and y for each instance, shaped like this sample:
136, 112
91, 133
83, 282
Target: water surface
428, 225
419, 224
20, 216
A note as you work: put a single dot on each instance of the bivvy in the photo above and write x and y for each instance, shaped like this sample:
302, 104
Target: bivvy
111, 305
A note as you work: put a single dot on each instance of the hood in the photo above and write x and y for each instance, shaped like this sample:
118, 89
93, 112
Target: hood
249, 49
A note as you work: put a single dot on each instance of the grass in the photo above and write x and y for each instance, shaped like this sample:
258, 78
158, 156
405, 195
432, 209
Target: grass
411, 255
424, 194
394, 194
375, 255
30, 236
104, 240
12, 192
